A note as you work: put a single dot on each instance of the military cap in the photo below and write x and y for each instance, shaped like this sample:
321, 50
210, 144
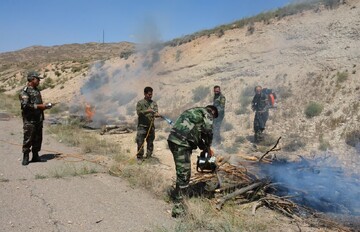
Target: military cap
32, 74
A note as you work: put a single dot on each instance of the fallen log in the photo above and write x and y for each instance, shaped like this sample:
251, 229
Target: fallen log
115, 129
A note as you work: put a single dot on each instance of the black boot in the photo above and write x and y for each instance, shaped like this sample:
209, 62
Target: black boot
25, 160
35, 157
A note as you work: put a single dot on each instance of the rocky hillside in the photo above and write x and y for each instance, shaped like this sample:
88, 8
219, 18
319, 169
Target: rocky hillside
311, 59
53, 61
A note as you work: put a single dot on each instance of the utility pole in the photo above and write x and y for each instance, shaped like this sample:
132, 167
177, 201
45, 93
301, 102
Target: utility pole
103, 36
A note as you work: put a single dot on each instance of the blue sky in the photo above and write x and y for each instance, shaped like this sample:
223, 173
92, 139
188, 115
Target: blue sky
25, 23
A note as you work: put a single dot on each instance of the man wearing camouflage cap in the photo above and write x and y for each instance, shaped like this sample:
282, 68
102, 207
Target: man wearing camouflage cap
32, 111
193, 129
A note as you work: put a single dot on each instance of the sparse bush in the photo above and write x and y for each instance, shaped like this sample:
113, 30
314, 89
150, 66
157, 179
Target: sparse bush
352, 138
284, 92
200, 93
313, 109
178, 55
40, 176
10, 104
250, 28
268, 140
219, 33
240, 139
295, 142
324, 145
245, 100
330, 4
76, 69
233, 149
126, 54
48, 83
226, 126
57, 73
70, 170
341, 77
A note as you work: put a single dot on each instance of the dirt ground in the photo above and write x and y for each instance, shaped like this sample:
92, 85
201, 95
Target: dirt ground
32, 201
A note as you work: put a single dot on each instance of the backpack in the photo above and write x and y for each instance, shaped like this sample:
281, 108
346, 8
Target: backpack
270, 95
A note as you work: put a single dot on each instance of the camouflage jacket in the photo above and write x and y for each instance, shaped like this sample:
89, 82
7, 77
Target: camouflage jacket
219, 102
144, 119
259, 102
30, 97
193, 129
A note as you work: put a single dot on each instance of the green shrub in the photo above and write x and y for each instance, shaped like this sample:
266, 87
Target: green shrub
76, 69
353, 138
178, 55
200, 93
294, 143
57, 73
126, 54
240, 139
313, 109
324, 145
341, 77
48, 83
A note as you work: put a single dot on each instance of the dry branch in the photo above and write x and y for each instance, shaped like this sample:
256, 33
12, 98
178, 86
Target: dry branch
236, 193
272, 149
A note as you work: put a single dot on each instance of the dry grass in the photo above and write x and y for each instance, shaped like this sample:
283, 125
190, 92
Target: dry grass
68, 170
10, 104
202, 216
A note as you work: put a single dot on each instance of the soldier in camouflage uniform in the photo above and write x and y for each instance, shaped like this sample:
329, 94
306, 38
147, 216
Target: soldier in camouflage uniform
219, 103
32, 111
193, 129
146, 110
260, 106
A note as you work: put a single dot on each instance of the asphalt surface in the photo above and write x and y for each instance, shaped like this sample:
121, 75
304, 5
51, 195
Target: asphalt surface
32, 199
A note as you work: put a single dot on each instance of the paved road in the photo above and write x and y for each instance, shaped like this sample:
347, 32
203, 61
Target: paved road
32, 200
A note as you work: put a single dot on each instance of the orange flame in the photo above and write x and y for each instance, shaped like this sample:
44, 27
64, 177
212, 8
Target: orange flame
89, 112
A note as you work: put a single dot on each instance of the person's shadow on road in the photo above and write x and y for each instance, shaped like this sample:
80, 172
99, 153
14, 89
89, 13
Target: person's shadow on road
46, 157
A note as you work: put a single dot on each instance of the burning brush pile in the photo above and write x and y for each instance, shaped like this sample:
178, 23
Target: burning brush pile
310, 191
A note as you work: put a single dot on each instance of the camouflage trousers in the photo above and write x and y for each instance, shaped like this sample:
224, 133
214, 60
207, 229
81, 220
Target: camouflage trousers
140, 140
182, 165
259, 124
32, 137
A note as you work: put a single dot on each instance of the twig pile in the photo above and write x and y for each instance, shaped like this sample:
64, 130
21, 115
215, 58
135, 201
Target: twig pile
245, 183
